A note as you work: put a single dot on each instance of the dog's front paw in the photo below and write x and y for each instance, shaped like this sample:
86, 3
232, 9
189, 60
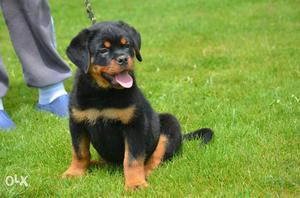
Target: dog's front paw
135, 185
73, 172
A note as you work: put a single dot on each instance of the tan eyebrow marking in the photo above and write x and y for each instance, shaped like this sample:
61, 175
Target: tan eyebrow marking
123, 41
107, 44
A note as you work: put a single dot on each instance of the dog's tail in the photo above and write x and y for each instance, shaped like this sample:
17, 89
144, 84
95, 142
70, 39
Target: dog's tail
206, 134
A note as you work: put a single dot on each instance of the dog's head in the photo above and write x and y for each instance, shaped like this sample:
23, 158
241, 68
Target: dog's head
106, 52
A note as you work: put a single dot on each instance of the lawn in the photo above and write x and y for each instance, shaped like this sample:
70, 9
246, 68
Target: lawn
231, 65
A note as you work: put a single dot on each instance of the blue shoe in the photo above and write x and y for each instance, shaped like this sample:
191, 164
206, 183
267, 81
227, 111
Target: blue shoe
5, 121
59, 106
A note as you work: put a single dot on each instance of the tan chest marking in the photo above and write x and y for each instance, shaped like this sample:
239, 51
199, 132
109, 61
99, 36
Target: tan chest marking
91, 115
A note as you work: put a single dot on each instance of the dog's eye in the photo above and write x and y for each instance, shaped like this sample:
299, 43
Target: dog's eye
103, 50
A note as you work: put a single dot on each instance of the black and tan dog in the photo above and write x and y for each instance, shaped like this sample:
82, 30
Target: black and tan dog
108, 109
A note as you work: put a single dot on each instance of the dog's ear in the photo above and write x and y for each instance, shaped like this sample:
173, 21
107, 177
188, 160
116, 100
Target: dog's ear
136, 37
78, 51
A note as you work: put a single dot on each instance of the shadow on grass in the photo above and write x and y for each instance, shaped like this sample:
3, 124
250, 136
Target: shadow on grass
109, 168
19, 95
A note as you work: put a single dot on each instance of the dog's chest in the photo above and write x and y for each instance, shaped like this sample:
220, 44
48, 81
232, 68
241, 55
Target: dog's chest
92, 115
106, 128
108, 140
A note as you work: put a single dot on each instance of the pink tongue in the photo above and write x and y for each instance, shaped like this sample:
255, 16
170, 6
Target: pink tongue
124, 79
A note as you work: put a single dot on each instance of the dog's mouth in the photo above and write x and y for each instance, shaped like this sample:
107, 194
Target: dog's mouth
123, 79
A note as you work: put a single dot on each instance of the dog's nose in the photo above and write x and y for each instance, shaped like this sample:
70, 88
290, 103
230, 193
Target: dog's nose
122, 60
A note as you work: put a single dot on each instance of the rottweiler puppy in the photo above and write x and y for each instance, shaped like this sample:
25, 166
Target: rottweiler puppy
108, 110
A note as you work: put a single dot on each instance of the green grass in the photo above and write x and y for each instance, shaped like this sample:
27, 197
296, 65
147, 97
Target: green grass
231, 65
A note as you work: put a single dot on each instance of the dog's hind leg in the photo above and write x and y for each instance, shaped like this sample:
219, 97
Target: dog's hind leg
169, 142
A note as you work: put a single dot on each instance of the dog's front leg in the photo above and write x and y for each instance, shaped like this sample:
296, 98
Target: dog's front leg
134, 160
81, 151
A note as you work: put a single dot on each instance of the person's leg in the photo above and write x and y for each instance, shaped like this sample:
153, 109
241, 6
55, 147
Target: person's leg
3, 80
54, 98
31, 31
5, 121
